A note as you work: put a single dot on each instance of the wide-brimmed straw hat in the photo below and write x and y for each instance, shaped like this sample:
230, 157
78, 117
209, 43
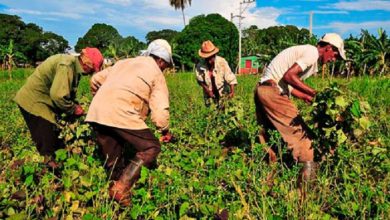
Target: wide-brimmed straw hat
336, 41
208, 49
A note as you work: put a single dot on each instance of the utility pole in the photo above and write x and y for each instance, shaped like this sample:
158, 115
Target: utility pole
311, 23
240, 17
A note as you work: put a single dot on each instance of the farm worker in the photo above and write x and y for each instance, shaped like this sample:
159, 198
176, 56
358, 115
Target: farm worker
51, 91
215, 75
283, 78
124, 95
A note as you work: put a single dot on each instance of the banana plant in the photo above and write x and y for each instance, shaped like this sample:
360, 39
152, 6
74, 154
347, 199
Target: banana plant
376, 51
112, 51
9, 55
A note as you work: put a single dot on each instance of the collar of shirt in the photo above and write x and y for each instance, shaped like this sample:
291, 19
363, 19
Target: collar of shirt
79, 68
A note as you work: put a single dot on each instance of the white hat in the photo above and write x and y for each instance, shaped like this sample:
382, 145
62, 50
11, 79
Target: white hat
335, 40
160, 48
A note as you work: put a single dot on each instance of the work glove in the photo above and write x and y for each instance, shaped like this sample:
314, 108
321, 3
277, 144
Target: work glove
78, 111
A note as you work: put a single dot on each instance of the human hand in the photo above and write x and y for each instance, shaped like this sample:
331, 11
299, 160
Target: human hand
308, 99
94, 85
313, 93
231, 95
166, 137
210, 94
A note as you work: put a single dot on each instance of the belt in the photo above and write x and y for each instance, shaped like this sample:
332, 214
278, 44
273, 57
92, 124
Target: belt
269, 82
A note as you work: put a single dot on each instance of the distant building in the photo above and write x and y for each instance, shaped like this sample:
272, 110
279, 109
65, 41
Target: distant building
249, 65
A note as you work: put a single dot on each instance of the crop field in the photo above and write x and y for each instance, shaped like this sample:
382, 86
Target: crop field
214, 169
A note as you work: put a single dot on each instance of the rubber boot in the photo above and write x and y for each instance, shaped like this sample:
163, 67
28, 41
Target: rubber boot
121, 189
306, 177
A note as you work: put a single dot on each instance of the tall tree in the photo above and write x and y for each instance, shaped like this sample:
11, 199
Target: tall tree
267, 43
30, 40
166, 34
180, 4
100, 36
11, 28
130, 47
214, 27
52, 44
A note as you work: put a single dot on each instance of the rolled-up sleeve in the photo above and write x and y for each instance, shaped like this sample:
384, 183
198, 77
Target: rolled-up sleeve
200, 71
229, 76
98, 78
60, 90
159, 103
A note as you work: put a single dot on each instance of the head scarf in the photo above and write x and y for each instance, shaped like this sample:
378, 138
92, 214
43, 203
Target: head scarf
159, 48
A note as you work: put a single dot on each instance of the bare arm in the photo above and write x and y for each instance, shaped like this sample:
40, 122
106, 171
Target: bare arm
98, 79
231, 95
305, 97
291, 77
206, 89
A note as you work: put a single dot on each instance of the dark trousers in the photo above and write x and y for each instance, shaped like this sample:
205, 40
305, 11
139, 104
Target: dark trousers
43, 133
112, 142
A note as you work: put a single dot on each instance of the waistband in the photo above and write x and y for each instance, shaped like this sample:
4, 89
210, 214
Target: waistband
269, 82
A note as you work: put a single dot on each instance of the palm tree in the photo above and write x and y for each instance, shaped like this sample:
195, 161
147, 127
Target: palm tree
180, 4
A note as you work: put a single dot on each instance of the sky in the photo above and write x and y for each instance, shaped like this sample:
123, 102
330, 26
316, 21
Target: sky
73, 18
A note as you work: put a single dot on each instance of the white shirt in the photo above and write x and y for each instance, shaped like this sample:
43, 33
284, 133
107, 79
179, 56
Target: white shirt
305, 56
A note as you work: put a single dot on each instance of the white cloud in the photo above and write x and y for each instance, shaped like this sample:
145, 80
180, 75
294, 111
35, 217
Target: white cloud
362, 5
346, 27
45, 13
157, 4
164, 20
329, 12
145, 14
120, 2
262, 17
158, 14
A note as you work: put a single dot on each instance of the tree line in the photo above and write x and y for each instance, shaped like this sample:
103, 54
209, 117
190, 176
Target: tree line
22, 43
367, 53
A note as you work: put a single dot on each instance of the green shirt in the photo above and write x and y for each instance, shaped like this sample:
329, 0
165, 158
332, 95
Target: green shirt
51, 89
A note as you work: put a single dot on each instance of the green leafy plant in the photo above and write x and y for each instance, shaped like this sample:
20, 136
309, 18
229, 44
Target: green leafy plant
336, 118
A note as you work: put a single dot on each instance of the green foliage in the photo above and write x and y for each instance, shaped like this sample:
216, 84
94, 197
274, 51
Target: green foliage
108, 40
99, 36
166, 34
52, 44
204, 172
170, 36
124, 48
367, 54
212, 27
334, 118
30, 40
268, 42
